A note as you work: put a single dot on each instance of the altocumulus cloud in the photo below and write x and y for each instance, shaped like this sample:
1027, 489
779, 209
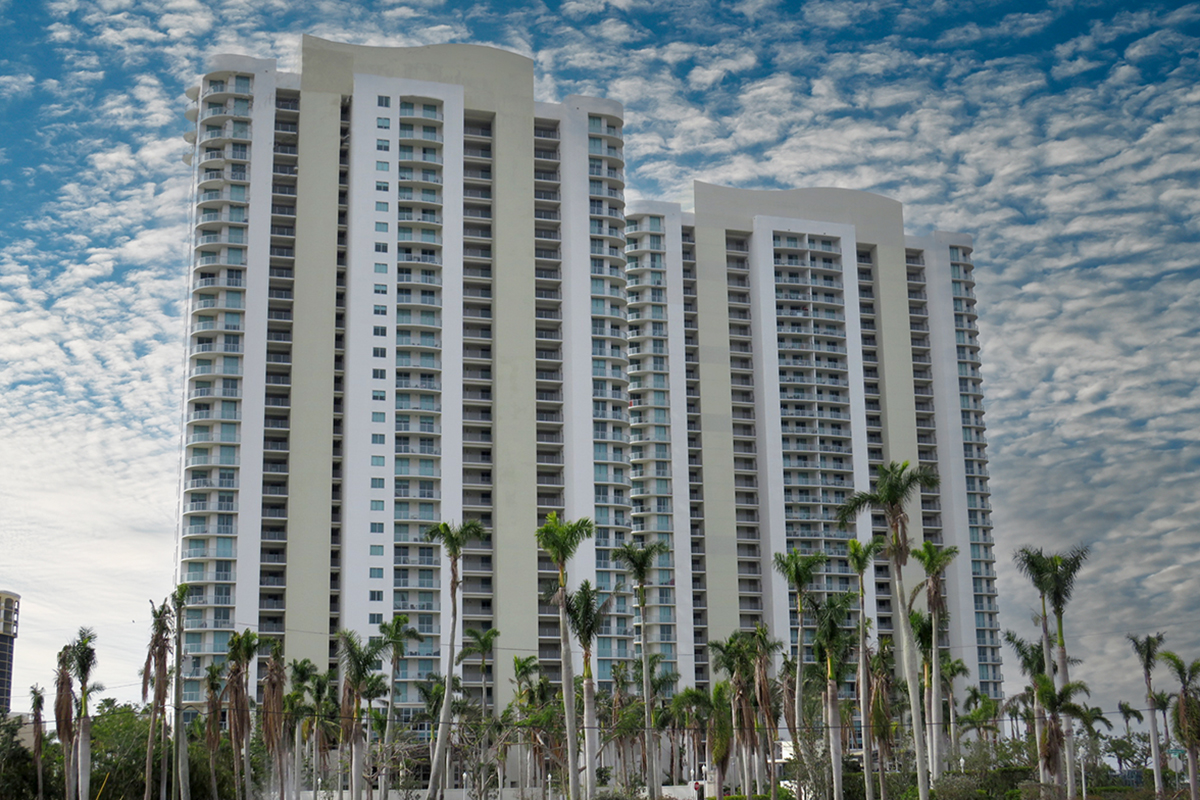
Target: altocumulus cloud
1064, 138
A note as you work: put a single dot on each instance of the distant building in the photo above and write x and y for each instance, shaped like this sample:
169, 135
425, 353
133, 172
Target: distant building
10, 605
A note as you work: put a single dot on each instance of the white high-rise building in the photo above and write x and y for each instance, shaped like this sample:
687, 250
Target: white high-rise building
411, 302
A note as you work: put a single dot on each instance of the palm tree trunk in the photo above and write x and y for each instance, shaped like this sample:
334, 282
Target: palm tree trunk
37, 763
653, 782
591, 734
568, 690
385, 777
935, 715
954, 747
356, 764
1068, 726
882, 777
864, 706
84, 754
149, 778
1154, 751
1193, 783
1052, 770
799, 679
908, 658
1039, 732
245, 755
297, 762
443, 733
71, 766
165, 759
835, 738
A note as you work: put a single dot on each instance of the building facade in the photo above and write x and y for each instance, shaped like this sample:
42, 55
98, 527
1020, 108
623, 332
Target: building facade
417, 295
10, 610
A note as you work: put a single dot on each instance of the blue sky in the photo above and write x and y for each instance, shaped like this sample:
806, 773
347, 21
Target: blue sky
1064, 136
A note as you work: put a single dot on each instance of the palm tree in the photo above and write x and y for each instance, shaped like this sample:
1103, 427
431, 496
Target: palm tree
524, 668
894, 486
1127, 713
799, 571
212, 724
357, 662
1059, 702
833, 645
1060, 583
182, 786
862, 558
241, 655
1031, 658
879, 713
735, 656
1091, 717
83, 661
1146, 650
272, 712
396, 635
765, 648
692, 706
935, 560
721, 733
951, 669
154, 671
560, 539
638, 561
295, 709
1187, 711
321, 725
37, 702
64, 719
480, 643
587, 611
453, 539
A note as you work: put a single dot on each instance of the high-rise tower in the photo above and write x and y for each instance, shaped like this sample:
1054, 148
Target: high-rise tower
410, 303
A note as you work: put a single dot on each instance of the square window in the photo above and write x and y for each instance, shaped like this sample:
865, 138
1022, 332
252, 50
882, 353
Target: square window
378, 438
383, 123
381, 186
382, 145
381, 288
379, 352
377, 505
381, 247
381, 206
376, 597
379, 374
374, 619
381, 227
378, 416
384, 101
377, 483
376, 572
381, 311
376, 549
379, 330
377, 395
376, 461
376, 527
381, 166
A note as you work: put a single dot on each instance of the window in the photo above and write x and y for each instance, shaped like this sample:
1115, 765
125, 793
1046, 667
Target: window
382, 145
383, 123
381, 166
376, 572
377, 505
374, 619
379, 352
378, 438
377, 483
377, 395
379, 330
376, 527
381, 288
384, 101
379, 374
381, 311
376, 597
381, 186
377, 461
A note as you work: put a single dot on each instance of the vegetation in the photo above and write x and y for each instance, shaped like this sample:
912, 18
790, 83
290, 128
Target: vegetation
342, 732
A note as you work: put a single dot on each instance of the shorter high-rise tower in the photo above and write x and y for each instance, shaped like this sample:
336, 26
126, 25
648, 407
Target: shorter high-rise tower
10, 607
